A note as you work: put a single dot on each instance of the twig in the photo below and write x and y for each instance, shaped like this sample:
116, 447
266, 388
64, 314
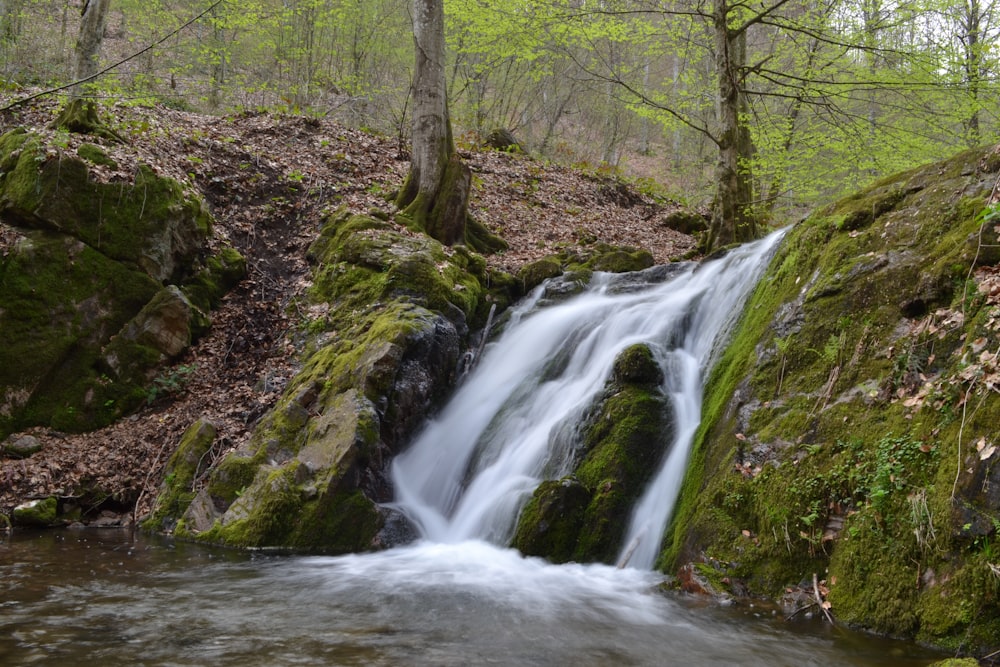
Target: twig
819, 599
145, 482
961, 429
114, 65
799, 611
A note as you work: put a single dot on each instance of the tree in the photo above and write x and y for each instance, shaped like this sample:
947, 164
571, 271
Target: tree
436, 192
80, 115
93, 18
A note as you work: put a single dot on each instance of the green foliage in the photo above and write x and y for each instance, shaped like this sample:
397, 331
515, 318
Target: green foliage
170, 382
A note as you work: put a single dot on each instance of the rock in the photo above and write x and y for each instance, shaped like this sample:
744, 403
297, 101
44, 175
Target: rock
310, 478
163, 326
691, 580
21, 447
636, 365
187, 462
89, 258
550, 524
37, 513
685, 221
839, 435
502, 139
583, 518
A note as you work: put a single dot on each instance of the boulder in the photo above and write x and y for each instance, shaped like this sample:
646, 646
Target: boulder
397, 314
87, 292
849, 429
42, 513
583, 518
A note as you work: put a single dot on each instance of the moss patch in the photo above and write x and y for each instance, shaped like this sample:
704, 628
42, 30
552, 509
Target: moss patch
187, 462
831, 425
90, 256
583, 518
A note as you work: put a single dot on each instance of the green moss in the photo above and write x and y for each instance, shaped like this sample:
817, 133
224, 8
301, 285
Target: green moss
96, 155
636, 365
186, 463
133, 224
59, 301
268, 521
336, 523
220, 274
37, 513
831, 424
552, 521
232, 475
534, 273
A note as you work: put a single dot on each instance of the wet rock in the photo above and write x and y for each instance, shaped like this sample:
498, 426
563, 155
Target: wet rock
550, 524
636, 365
398, 308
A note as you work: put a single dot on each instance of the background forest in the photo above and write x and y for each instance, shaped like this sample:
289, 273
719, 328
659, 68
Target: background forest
824, 97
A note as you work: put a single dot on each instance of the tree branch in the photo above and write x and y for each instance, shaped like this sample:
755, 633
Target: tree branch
115, 65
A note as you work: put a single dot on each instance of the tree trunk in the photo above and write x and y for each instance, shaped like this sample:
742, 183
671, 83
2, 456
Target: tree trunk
435, 194
973, 20
732, 209
88, 44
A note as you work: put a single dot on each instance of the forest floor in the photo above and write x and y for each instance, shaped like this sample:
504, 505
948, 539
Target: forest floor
269, 181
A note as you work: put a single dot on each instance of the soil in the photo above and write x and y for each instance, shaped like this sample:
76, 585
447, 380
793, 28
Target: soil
269, 181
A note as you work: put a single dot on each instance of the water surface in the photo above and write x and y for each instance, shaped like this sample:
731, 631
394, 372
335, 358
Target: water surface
105, 598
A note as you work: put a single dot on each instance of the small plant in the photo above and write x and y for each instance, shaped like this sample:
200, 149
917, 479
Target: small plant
171, 382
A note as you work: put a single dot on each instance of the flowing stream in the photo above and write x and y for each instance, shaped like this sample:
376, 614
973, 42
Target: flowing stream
94, 598
514, 421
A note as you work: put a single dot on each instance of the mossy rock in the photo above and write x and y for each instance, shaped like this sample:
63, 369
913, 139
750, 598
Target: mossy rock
636, 365
535, 273
151, 225
60, 301
832, 422
185, 464
685, 221
89, 257
584, 518
386, 353
221, 272
42, 513
94, 154
550, 524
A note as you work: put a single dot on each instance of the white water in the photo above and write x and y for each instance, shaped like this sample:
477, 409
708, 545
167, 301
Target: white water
513, 421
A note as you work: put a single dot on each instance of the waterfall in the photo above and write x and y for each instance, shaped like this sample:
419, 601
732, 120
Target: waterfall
513, 421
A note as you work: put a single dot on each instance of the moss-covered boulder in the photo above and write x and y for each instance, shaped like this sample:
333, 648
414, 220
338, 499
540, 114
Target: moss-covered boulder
42, 513
583, 518
581, 261
850, 428
393, 311
87, 306
189, 460
551, 522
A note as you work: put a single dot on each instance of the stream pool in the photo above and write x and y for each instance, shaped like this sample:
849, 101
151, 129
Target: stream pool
105, 598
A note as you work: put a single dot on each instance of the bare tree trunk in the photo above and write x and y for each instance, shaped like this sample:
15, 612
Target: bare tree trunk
436, 193
733, 218
88, 44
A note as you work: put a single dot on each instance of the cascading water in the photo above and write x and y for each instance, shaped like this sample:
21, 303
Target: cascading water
513, 421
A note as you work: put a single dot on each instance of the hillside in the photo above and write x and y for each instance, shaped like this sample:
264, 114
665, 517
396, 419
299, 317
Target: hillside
269, 182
